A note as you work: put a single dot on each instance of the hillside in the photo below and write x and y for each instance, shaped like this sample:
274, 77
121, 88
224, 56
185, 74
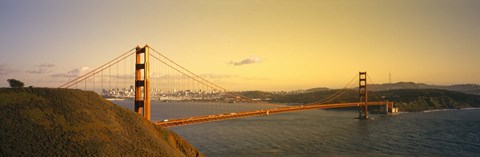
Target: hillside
413, 100
410, 100
464, 88
65, 122
349, 96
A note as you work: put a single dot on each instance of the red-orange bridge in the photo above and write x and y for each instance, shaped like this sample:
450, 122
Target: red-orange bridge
174, 82
217, 117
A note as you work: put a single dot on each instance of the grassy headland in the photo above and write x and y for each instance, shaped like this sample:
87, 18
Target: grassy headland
66, 122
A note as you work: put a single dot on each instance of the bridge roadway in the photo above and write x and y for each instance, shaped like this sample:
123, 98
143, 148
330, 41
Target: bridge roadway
209, 118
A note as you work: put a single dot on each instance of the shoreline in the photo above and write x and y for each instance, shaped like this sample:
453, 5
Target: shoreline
440, 110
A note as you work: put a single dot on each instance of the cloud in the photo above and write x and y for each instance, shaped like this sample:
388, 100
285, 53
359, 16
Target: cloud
216, 76
4, 70
45, 65
39, 71
251, 60
43, 69
184, 77
123, 76
254, 78
170, 76
72, 73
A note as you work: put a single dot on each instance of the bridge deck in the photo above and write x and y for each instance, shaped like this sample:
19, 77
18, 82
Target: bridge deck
209, 118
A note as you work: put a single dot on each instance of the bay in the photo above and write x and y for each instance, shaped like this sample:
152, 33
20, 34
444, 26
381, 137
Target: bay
328, 132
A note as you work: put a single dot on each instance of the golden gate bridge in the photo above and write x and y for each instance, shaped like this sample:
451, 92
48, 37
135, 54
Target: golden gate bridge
143, 74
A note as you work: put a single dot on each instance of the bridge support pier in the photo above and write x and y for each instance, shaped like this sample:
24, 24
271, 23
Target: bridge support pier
142, 82
389, 109
363, 94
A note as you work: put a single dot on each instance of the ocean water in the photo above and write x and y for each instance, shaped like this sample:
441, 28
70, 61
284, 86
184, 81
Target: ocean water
172, 110
334, 133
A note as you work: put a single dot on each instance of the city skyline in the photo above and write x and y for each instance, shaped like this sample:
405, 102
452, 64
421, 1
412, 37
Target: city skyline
247, 45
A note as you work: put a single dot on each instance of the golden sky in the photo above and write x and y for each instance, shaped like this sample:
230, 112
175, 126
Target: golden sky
289, 44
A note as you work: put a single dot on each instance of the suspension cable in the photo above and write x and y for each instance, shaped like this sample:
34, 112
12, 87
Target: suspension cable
338, 93
186, 69
208, 84
190, 75
374, 93
95, 71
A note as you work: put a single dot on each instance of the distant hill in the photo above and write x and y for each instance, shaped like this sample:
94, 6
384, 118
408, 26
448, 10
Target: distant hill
464, 88
316, 89
411, 100
308, 97
66, 122
255, 94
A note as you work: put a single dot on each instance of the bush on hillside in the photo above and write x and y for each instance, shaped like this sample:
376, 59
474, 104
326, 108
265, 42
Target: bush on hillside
15, 83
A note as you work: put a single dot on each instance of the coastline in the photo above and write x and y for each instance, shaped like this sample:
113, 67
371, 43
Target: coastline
440, 110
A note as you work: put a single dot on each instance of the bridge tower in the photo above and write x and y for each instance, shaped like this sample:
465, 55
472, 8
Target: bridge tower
142, 82
363, 94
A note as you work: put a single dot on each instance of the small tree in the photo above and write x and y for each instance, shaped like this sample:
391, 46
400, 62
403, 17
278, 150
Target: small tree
15, 83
